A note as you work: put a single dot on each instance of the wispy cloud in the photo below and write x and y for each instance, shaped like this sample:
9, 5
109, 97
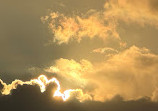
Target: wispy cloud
132, 11
102, 24
104, 50
92, 25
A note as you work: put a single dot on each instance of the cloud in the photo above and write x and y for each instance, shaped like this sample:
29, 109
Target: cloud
70, 70
43, 82
132, 74
105, 50
121, 74
133, 11
28, 98
104, 23
67, 28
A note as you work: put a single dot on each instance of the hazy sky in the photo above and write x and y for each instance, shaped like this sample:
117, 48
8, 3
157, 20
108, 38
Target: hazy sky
104, 47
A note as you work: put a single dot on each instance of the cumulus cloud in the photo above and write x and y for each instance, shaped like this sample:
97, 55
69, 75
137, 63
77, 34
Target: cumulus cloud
70, 70
132, 74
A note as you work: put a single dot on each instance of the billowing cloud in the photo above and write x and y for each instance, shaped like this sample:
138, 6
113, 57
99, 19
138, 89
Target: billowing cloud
121, 74
70, 69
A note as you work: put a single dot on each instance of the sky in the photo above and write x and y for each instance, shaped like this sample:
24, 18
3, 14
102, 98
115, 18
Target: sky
79, 54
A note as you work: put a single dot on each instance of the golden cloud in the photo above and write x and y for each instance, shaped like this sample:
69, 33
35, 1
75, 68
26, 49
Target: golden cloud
131, 74
101, 24
93, 25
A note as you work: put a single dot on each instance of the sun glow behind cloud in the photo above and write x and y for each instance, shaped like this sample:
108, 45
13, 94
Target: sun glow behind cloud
130, 73
121, 74
42, 82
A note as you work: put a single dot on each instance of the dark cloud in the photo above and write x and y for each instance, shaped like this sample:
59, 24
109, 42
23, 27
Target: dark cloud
29, 98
